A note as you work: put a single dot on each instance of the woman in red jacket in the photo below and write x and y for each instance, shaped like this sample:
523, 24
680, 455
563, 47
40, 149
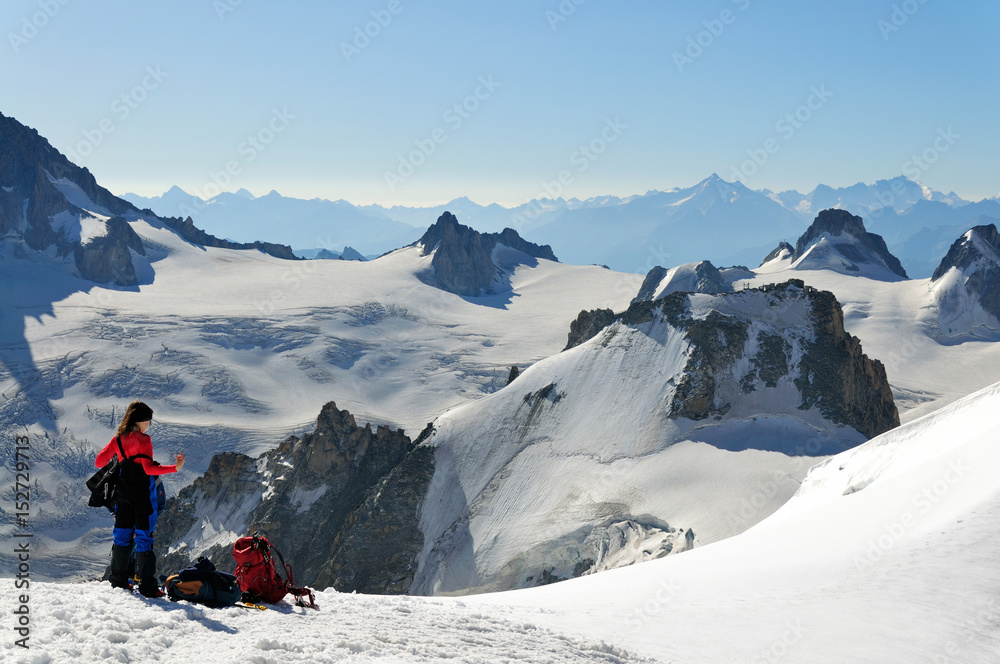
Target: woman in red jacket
136, 505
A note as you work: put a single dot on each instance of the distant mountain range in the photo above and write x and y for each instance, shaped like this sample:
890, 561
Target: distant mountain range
715, 220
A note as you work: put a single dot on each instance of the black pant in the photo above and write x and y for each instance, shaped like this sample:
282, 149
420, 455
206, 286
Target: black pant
128, 521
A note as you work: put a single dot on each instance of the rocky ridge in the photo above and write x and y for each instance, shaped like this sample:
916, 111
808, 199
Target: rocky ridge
47, 201
464, 260
341, 503
832, 371
967, 278
701, 277
187, 230
34, 181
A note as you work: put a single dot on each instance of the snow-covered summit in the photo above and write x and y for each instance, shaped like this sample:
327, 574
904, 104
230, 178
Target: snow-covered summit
701, 277
897, 194
838, 241
965, 287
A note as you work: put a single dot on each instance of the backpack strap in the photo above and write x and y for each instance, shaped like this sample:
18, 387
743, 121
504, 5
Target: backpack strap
129, 458
289, 581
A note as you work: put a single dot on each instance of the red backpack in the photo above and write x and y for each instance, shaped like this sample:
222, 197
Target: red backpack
258, 576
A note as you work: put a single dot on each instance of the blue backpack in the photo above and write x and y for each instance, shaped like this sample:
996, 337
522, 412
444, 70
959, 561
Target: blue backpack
204, 584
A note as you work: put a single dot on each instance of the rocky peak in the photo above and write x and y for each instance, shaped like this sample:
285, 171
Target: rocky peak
351, 254
837, 223
341, 502
702, 277
800, 337
978, 243
463, 261
966, 284
783, 250
46, 200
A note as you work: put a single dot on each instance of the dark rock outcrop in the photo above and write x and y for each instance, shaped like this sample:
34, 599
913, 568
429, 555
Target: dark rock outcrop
463, 258
106, 259
187, 230
26, 190
588, 325
375, 550
839, 222
833, 374
977, 256
341, 503
701, 277
783, 249
649, 285
30, 202
837, 377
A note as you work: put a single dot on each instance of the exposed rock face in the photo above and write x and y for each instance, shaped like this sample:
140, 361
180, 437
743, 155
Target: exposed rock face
783, 250
47, 201
841, 222
375, 551
25, 157
966, 284
649, 285
702, 277
187, 230
31, 202
587, 325
463, 260
106, 259
837, 377
831, 371
341, 503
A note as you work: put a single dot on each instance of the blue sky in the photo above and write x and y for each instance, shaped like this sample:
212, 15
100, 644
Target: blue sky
265, 95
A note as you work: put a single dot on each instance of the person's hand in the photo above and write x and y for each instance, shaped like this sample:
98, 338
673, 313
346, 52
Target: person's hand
179, 459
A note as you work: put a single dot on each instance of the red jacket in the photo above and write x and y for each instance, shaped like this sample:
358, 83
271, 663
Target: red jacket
134, 443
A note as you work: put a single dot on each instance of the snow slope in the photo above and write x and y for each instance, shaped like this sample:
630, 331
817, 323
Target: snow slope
843, 254
886, 554
583, 464
959, 293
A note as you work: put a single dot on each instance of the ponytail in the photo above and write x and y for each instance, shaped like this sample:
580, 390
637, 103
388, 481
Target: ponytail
136, 412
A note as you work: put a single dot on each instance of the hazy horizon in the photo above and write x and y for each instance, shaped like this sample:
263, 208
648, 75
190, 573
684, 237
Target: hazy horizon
396, 103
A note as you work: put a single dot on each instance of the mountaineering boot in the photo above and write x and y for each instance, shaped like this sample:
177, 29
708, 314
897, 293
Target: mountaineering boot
119, 566
145, 564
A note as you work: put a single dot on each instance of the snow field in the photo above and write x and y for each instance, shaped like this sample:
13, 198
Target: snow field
91, 622
236, 350
887, 554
